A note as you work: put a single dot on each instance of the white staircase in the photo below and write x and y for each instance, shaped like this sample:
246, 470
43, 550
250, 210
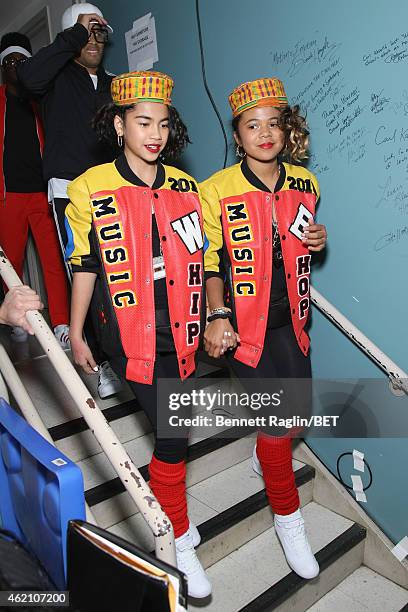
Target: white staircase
227, 502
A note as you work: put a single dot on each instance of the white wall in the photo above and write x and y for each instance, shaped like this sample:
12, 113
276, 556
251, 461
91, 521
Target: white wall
17, 14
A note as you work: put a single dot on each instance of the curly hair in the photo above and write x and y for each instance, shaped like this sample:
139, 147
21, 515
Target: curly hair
104, 127
294, 127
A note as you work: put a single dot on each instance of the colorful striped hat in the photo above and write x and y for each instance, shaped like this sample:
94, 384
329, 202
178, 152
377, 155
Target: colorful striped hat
148, 86
262, 92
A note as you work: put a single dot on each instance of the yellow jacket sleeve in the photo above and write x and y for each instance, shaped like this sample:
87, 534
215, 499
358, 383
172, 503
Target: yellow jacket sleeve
213, 245
80, 250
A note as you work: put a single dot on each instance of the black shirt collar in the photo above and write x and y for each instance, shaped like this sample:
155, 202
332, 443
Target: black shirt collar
127, 173
256, 182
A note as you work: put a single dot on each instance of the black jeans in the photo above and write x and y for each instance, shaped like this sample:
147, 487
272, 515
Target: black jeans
281, 360
170, 450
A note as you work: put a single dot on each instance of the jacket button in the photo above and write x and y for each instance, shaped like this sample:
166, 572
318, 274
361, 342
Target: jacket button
262, 317
266, 238
177, 324
147, 281
283, 237
185, 372
277, 198
147, 364
267, 198
145, 377
252, 361
289, 275
183, 361
163, 238
171, 282
156, 195
265, 278
148, 325
146, 236
293, 311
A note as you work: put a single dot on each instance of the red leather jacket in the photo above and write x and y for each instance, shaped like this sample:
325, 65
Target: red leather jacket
110, 219
237, 211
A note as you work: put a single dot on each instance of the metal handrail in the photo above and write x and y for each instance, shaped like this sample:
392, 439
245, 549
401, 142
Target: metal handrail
128, 473
398, 378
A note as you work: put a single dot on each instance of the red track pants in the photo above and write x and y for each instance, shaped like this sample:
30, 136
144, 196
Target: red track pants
18, 213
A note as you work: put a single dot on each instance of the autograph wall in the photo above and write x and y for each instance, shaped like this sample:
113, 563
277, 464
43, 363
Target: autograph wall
348, 68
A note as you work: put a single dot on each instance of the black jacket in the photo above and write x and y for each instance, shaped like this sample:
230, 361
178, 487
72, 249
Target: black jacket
69, 102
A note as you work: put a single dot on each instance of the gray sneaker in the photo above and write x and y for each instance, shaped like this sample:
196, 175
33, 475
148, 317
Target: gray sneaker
108, 382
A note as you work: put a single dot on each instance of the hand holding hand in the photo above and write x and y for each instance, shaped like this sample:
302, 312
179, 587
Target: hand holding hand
219, 336
315, 236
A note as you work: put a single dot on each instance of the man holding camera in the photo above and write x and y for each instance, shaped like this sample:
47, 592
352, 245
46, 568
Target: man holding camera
71, 83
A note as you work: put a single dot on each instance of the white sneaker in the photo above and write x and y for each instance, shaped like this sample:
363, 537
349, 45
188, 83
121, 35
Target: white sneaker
61, 332
187, 561
108, 382
18, 334
291, 532
195, 534
256, 464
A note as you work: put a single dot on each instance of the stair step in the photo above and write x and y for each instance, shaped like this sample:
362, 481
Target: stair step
233, 518
112, 504
83, 446
79, 425
51, 397
363, 590
256, 577
97, 471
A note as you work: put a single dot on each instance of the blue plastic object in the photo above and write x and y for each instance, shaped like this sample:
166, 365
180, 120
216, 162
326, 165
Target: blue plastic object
40, 491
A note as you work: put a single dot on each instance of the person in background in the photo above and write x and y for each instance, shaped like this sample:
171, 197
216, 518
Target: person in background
69, 78
259, 222
24, 204
16, 303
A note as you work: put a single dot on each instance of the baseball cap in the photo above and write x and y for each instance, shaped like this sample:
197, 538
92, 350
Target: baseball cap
14, 42
70, 16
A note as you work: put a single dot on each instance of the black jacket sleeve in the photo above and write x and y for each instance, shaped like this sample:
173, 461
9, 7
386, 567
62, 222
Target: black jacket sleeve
37, 73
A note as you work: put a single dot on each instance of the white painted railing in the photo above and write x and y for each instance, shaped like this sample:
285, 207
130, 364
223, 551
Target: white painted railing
110, 443
398, 378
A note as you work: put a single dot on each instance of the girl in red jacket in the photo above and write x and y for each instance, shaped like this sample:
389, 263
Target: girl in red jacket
259, 221
135, 245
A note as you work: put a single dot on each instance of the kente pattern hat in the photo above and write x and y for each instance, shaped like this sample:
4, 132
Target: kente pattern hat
262, 92
142, 86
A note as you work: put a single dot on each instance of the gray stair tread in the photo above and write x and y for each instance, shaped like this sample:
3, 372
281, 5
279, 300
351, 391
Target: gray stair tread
208, 504
260, 563
363, 590
115, 509
51, 397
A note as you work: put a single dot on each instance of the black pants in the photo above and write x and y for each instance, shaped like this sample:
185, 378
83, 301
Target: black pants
170, 450
281, 360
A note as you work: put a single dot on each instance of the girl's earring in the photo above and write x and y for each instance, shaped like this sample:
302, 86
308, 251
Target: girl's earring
239, 151
120, 141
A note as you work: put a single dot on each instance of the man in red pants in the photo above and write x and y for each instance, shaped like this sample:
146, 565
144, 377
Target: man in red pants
23, 199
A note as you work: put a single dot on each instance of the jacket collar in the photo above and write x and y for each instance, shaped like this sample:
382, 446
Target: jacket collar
127, 173
256, 182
